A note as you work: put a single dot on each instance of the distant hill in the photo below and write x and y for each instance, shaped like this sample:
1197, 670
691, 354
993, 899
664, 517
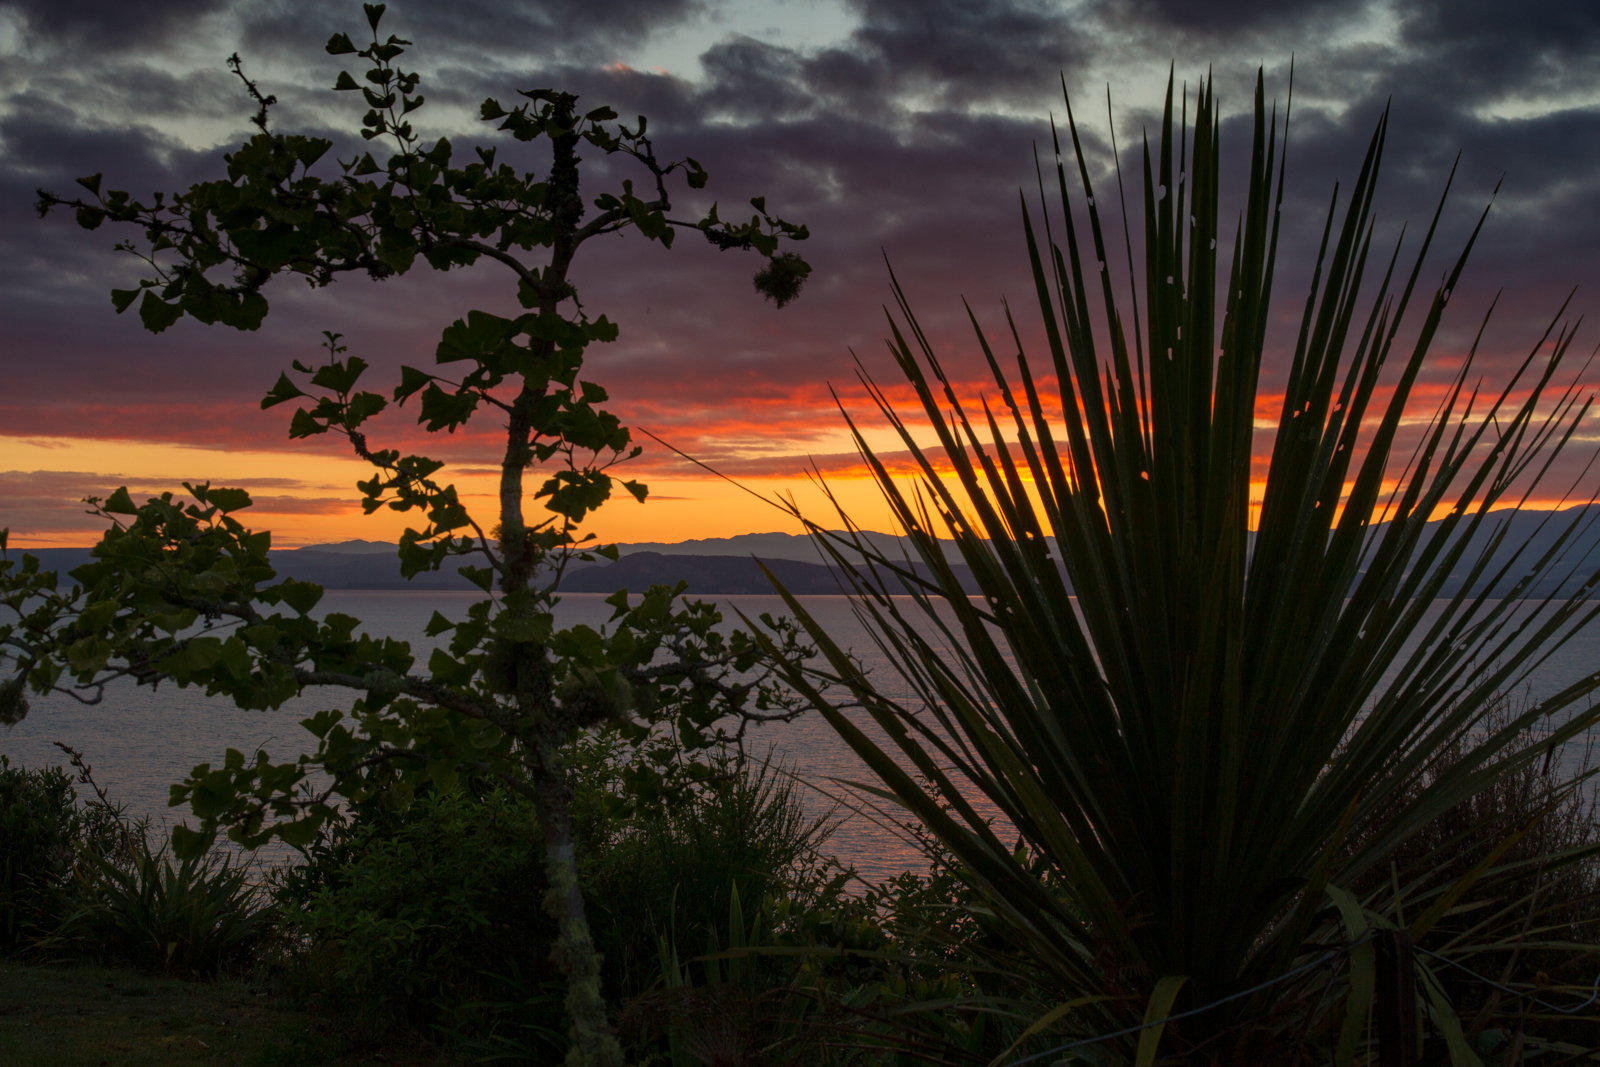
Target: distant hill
330, 566
709, 572
725, 565
716, 575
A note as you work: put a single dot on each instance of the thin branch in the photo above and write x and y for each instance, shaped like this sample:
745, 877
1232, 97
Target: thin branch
406, 685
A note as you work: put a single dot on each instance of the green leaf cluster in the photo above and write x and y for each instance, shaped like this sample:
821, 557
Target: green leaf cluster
183, 592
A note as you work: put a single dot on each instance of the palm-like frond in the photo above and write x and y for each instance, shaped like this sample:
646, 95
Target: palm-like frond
1183, 717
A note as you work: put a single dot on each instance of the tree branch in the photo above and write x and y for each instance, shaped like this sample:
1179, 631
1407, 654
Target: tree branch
406, 685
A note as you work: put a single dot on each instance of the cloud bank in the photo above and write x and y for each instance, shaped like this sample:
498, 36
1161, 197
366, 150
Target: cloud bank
904, 136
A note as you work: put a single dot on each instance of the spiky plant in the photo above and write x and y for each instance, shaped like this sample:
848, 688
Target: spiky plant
1179, 715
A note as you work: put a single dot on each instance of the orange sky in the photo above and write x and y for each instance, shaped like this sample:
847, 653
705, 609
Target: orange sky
306, 495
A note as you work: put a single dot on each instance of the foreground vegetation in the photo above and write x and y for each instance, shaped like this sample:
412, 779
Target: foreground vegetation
1252, 823
414, 934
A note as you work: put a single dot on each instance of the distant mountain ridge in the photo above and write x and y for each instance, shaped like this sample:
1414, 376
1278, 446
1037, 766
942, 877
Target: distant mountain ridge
720, 575
712, 566
726, 565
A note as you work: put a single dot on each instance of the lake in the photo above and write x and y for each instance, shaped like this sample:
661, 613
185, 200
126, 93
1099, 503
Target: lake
140, 741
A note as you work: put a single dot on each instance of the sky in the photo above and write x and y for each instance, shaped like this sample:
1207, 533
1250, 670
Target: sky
897, 130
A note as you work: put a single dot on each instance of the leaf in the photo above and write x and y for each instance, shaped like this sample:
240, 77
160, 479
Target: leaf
411, 379
1160, 1006
121, 299
91, 183
303, 424
479, 337
284, 390
157, 314
228, 500
301, 596
341, 375
339, 45
1047, 1020
320, 723
1425, 922
345, 82
526, 628
120, 503
299, 833
190, 844
482, 577
1363, 976
310, 149
374, 13
1461, 1054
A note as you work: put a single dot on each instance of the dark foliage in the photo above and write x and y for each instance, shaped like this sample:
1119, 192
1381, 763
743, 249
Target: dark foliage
429, 918
191, 918
43, 834
676, 871
1529, 920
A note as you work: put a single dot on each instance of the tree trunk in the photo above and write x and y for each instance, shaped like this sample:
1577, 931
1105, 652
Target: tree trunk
593, 1045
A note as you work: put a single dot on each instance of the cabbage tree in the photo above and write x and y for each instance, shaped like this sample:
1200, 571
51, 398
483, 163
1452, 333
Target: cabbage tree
1183, 707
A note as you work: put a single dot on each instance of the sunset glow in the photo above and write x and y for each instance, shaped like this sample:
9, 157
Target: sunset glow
850, 118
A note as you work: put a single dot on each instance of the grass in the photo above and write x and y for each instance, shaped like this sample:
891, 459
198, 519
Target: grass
89, 1016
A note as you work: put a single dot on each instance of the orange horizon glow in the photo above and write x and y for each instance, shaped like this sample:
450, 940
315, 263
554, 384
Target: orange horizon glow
773, 445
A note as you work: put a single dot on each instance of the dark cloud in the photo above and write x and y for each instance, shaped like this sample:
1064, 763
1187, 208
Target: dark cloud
756, 80
1556, 28
962, 52
112, 25
546, 26
476, 32
529, 26
908, 138
1225, 16
41, 503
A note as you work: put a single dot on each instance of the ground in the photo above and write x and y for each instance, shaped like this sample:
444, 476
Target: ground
61, 1016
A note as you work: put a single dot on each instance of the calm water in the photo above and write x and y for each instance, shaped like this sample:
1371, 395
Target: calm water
141, 741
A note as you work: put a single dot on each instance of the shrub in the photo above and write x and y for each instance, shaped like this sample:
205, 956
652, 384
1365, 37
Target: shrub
43, 832
430, 916
679, 868
412, 916
189, 920
1539, 898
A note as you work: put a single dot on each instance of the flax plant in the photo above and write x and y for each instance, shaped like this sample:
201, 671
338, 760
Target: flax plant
1179, 714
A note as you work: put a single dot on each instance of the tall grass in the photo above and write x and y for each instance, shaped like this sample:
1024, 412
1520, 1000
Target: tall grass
188, 919
681, 868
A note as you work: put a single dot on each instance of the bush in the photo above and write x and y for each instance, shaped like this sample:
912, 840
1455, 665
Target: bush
677, 869
43, 833
431, 916
189, 920
1530, 914
411, 916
